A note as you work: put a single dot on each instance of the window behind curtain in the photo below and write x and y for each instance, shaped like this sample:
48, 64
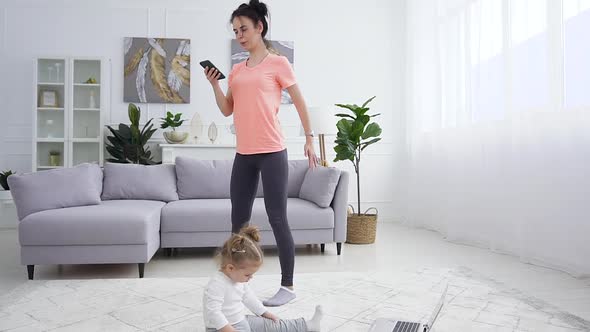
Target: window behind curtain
576, 32
487, 61
529, 54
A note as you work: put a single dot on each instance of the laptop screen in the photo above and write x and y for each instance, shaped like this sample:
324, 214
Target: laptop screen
437, 308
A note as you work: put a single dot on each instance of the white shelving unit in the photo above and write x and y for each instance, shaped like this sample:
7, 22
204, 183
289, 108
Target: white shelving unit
72, 126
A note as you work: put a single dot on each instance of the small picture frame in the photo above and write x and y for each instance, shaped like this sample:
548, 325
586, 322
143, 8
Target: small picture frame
48, 98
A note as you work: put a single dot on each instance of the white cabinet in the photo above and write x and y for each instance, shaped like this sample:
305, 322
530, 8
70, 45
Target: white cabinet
197, 151
68, 111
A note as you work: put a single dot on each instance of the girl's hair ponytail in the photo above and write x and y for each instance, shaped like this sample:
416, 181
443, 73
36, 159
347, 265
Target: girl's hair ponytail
242, 247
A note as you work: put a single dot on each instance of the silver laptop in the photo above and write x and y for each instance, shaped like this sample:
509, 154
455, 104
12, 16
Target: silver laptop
394, 325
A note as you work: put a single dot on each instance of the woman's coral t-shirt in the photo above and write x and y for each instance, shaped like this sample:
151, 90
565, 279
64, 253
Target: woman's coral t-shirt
256, 94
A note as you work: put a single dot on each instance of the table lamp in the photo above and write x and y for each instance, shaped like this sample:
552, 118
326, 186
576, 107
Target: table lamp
323, 123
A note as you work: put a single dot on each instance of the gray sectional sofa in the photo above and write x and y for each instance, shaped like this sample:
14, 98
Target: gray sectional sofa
124, 213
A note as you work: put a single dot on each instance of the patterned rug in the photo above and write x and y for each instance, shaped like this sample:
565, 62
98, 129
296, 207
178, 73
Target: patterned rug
352, 301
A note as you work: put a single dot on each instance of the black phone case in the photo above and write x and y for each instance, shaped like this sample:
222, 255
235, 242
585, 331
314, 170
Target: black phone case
207, 63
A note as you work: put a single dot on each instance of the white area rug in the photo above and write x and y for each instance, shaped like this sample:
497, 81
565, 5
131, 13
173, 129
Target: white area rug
351, 301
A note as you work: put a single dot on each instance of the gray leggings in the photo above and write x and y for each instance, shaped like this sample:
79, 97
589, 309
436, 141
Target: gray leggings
261, 324
274, 168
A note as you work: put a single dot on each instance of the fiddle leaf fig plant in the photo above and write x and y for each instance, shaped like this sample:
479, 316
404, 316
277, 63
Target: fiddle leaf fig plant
356, 132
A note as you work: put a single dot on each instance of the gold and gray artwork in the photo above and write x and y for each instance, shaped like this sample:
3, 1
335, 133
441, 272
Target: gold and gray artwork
157, 70
280, 47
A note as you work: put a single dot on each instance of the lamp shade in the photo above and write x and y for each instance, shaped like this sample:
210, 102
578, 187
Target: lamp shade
323, 120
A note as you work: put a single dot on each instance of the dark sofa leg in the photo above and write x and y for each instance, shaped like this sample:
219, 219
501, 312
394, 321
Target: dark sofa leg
141, 268
323, 247
31, 271
168, 252
339, 248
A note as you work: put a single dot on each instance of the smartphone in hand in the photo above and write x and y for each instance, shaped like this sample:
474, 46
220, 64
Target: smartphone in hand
207, 63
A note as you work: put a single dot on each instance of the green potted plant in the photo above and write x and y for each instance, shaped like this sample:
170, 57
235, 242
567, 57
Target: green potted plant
4, 179
173, 121
128, 143
355, 133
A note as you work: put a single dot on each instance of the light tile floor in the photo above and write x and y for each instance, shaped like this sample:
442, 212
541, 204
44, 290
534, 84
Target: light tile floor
351, 301
397, 249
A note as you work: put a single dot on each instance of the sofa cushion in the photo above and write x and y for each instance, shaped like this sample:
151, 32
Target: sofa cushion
319, 185
297, 170
211, 178
203, 178
56, 188
214, 215
139, 182
111, 222
197, 215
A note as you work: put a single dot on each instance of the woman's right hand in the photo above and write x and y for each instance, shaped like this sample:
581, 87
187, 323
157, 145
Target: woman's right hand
212, 75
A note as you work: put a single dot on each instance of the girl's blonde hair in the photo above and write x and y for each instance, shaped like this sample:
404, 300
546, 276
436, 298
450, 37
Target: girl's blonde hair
242, 247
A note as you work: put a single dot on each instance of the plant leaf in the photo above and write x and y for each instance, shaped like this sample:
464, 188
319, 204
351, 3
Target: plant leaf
350, 107
356, 131
372, 130
342, 115
344, 126
365, 144
134, 114
368, 101
364, 119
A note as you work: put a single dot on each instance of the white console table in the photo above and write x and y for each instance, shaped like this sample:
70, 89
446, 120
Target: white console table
197, 151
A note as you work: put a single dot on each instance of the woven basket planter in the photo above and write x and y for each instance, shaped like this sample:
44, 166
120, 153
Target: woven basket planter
361, 229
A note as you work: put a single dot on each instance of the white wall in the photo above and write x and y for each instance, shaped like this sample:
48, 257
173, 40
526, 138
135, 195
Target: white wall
345, 52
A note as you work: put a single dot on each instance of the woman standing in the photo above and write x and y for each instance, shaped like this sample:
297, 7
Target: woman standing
253, 97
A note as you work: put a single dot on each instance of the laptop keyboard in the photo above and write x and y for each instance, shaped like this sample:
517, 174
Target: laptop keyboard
406, 327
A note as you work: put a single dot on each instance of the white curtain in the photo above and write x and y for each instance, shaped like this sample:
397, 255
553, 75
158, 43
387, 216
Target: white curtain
498, 126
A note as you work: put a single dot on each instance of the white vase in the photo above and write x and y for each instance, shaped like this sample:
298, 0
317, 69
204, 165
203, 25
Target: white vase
92, 101
212, 132
196, 127
175, 137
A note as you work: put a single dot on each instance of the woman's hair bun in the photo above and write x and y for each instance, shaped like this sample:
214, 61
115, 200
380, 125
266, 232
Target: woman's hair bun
259, 7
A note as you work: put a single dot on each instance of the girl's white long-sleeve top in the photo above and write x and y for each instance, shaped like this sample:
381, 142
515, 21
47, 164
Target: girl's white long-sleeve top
224, 301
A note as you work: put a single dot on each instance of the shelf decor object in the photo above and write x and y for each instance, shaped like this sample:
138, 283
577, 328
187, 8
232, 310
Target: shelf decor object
212, 132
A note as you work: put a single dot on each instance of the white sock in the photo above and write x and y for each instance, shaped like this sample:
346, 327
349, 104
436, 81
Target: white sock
283, 296
313, 324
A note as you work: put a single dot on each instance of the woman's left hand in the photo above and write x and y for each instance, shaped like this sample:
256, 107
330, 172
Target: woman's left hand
309, 152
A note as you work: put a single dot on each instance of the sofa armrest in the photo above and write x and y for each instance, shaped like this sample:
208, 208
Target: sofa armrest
340, 207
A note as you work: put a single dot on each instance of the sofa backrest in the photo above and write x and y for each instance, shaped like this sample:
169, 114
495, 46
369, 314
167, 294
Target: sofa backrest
139, 182
56, 188
211, 178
